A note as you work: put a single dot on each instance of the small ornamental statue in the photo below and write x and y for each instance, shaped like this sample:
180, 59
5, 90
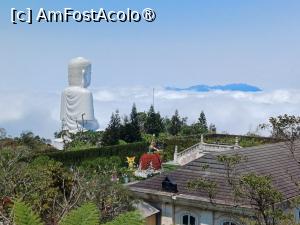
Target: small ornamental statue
152, 147
130, 161
150, 163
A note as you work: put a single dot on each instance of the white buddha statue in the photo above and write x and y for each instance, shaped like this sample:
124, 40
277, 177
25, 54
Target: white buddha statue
77, 110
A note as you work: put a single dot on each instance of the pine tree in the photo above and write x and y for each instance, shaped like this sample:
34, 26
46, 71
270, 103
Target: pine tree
130, 128
202, 123
135, 126
125, 130
111, 134
153, 124
176, 124
142, 117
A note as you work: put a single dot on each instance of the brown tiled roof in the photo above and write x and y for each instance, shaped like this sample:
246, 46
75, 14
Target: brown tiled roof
274, 160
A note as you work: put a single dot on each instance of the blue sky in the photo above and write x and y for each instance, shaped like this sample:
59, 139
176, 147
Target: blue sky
191, 42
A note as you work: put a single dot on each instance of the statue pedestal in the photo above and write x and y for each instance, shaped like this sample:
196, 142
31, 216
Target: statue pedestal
58, 143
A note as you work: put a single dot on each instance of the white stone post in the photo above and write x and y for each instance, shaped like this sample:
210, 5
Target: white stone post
175, 154
202, 139
236, 145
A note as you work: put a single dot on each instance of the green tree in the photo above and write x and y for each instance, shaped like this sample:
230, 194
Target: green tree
287, 128
47, 184
255, 189
125, 130
176, 124
189, 129
261, 194
230, 163
209, 186
142, 117
12, 169
111, 197
53, 190
135, 126
130, 129
202, 123
84, 140
111, 134
32, 141
154, 123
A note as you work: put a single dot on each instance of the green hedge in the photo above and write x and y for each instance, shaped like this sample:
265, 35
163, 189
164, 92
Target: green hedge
166, 144
76, 157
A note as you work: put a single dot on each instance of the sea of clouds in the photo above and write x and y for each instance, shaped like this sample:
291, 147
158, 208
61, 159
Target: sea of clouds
234, 112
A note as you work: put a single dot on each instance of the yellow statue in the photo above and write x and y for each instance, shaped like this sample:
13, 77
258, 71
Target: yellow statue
130, 161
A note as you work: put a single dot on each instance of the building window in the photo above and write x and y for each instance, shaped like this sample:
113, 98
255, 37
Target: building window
229, 223
297, 215
188, 220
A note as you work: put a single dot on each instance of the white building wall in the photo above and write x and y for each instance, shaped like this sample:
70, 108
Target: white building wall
220, 218
167, 214
206, 217
203, 217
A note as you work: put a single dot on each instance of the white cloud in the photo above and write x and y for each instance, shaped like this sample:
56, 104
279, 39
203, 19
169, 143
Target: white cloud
234, 112
274, 97
11, 107
104, 96
22, 111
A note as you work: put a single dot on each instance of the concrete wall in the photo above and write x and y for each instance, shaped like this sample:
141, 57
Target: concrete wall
151, 220
171, 215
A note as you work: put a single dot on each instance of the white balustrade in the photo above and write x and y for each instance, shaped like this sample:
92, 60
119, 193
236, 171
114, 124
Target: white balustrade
198, 150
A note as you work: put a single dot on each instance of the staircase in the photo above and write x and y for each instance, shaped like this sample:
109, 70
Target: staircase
198, 150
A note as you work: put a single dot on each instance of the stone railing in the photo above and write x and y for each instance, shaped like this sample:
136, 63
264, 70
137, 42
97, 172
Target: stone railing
189, 150
198, 150
218, 147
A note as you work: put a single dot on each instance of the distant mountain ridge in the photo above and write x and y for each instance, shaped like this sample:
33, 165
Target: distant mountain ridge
228, 87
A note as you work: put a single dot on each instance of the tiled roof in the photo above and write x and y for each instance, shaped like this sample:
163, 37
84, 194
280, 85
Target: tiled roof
275, 160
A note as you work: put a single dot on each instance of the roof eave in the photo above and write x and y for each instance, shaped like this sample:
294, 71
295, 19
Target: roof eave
195, 201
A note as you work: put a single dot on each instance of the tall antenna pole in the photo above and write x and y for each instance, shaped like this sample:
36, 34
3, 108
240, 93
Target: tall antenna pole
153, 98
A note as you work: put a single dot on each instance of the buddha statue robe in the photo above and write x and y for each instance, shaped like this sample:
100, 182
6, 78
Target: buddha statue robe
77, 110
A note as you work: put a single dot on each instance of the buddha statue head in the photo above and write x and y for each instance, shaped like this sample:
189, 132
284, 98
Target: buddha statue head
79, 72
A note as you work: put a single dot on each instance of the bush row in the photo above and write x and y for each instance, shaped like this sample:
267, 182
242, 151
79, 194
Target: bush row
167, 144
76, 157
